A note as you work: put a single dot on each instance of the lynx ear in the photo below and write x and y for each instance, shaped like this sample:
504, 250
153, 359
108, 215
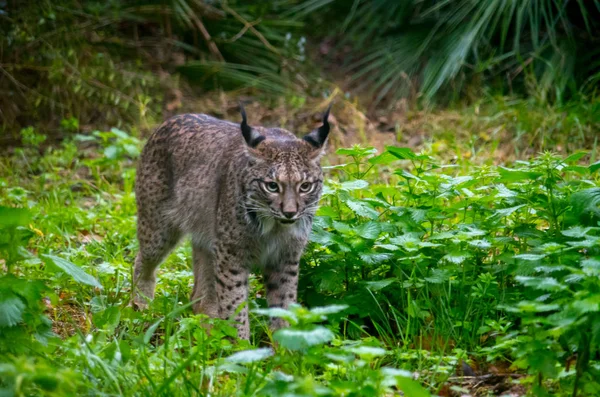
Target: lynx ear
251, 137
318, 137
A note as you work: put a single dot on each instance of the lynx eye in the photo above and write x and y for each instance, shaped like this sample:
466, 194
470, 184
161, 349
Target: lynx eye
271, 187
305, 187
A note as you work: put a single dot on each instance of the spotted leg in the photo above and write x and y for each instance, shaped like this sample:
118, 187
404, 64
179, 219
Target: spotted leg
232, 287
281, 282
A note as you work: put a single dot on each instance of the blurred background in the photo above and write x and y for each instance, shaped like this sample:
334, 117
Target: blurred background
507, 78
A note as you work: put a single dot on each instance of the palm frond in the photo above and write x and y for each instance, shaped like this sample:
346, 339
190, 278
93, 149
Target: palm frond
542, 37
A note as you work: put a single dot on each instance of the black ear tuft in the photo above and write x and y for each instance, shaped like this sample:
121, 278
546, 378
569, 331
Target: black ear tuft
251, 137
318, 137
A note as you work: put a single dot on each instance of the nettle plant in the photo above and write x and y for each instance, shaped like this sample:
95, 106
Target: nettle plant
504, 259
413, 267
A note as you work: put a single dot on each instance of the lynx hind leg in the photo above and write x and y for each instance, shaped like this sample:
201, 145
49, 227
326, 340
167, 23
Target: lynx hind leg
156, 240
204, 292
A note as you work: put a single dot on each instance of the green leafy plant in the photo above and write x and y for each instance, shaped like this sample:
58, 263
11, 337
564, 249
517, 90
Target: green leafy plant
415, 268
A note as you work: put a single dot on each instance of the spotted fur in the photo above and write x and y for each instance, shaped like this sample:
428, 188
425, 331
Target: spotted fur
246, 195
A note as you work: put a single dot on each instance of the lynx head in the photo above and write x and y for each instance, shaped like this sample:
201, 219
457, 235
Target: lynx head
284, 176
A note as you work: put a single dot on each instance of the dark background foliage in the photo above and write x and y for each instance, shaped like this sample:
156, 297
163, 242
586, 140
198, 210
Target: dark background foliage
119, 62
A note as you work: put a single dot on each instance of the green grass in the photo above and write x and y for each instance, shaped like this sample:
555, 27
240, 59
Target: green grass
414, 266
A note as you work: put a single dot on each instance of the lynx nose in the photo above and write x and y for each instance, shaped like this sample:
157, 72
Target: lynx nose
289, 215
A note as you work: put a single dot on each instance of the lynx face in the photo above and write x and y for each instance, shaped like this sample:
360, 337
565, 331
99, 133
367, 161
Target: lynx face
285, 184
285, 178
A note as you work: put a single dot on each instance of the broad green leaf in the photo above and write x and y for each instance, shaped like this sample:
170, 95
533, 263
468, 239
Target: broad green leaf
278, 312
390, 376
368, 230
438, 276
384, 158
342, 227
341, 358
354, 185
11, 309
405, 153
512, 175
374, 258
532, 307
12, 217
504, 212
587, 305
418, 214
505, 192
469, 232
393, 372
329, 309
481, 244
111, 152
389, 247
575, 157
594, 167
329, 281
132, 150
454, 182
530, 257
591, 266
356, 151
541, 283
250, 356
408, 175
574, 278
551, 248
321, 236
586, 202
410, 387
367, 352
119, 133
334, 166
577, 231
327, 190
296, 339
409, 242
77, 273
109, 317
361, 208
322, 222
456, 257
577, 168
590, 242
377, 202
423, 244
442, 236
379, 284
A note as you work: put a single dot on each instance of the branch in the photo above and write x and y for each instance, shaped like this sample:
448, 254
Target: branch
249, 26
209, 41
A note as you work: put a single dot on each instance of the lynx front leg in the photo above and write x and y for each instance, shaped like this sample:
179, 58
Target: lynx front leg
281, 283
232, 288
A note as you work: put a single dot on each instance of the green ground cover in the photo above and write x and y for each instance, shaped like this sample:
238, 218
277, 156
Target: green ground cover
417, 272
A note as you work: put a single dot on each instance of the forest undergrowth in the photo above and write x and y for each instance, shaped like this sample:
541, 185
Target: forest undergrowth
422, 277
